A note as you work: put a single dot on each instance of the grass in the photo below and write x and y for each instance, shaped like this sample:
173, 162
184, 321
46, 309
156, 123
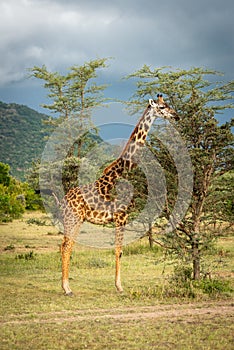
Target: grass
198, 333
35, 314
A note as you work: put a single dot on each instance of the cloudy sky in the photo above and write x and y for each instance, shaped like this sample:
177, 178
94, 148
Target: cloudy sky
61, 33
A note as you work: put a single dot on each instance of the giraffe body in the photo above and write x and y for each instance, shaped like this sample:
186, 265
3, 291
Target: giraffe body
95, 203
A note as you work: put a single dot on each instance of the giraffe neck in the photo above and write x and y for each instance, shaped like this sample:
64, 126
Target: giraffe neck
126, 161
138, 137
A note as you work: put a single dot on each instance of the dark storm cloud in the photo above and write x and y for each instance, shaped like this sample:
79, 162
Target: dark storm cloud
63, 33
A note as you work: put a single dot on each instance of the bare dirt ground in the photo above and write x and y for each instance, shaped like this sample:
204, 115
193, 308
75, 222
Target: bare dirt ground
183, 312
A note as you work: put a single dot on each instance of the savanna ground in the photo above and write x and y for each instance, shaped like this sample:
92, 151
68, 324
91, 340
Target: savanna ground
151, 313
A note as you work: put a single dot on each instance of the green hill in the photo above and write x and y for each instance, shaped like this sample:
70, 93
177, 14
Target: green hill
22, 136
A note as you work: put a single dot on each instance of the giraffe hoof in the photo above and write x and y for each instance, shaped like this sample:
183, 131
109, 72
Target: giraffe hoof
69, 294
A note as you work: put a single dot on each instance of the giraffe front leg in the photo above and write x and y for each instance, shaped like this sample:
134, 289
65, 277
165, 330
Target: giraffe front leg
118, 254
66, 249
118, 251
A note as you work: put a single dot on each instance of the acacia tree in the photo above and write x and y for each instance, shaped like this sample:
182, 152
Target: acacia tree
73, 96
210, 145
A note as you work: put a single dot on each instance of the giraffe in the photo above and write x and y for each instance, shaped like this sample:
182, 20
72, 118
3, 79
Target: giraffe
94, 202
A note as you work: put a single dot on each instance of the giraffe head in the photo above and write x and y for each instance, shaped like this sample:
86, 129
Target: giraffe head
161, 109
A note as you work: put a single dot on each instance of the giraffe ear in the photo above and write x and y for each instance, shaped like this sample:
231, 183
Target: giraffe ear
151, 102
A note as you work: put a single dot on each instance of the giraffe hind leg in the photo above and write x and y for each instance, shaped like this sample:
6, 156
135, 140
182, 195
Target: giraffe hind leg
66, 250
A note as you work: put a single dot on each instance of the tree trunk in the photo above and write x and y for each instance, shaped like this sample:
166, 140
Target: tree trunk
150, 235
196, 259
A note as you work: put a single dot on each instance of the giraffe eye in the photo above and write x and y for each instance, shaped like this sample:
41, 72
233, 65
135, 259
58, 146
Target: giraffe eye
162, 107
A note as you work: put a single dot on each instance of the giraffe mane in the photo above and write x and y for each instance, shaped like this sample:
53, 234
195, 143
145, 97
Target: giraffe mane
110, 166
133, 132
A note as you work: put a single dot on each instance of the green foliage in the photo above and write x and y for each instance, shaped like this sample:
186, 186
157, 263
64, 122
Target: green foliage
15, 196
70, 171
33, 200
73, 92
220, 201
210, 145
214, 287
182, 284
4, 174
73, 96
32, 175
12, 201
10, 207
181, 86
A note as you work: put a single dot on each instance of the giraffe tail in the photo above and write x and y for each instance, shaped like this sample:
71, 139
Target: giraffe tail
49, 193
56, 199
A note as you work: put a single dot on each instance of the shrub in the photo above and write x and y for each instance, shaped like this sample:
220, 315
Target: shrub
12, 203
10, 207
9, 247
33, 200
214, 286
27, 256
181, 284
36, 222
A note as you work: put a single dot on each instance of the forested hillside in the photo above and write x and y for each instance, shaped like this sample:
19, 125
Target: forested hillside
22, 136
